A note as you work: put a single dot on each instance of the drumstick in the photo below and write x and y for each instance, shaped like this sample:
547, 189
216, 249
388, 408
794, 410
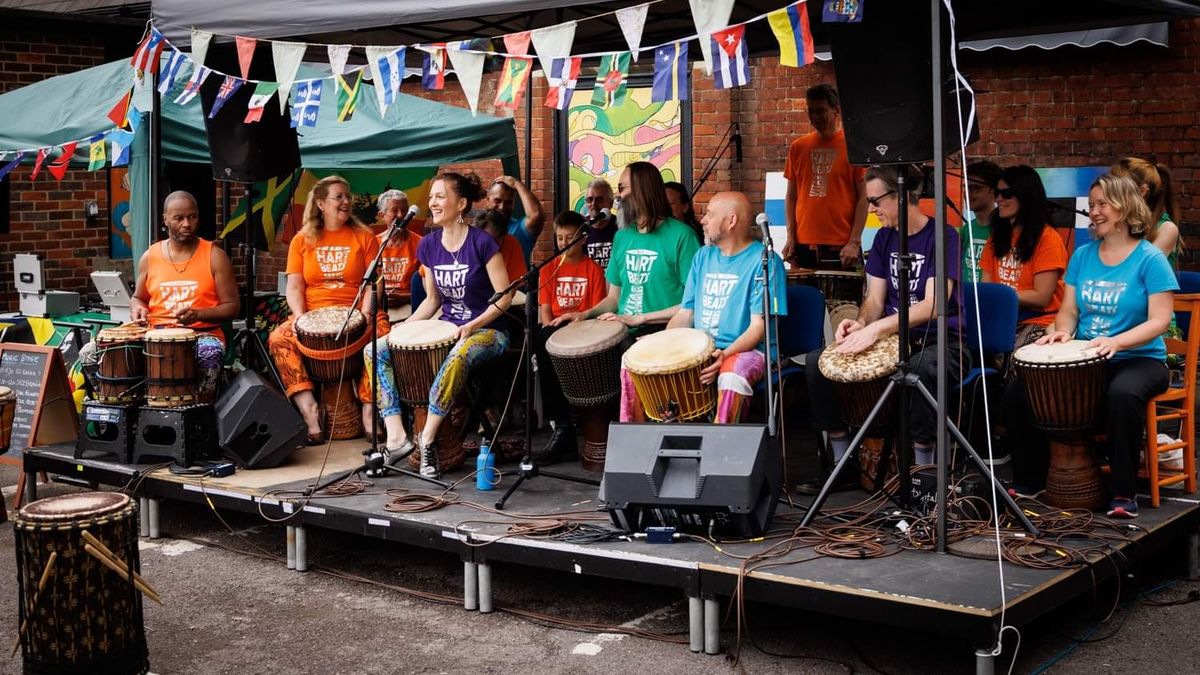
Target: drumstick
91, 539
36, 596
120, 568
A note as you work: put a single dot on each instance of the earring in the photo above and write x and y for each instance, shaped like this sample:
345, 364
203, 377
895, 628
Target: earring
459, 220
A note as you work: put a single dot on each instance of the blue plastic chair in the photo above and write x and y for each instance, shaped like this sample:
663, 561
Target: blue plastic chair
417, 286
801, 330
1189, 282
997, 324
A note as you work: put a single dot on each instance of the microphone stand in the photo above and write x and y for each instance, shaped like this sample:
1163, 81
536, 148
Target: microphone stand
376, 462
528, 468
770, 329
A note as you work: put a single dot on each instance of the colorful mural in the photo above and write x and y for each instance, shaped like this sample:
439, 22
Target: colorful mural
119, 243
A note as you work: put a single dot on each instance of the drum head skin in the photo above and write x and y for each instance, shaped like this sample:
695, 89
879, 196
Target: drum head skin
421, 334
670, 351
328, 321
169, 334
584, 338
518, 299
6, 394
1071, 351
879, 360
66, 508
842, 274
121, 334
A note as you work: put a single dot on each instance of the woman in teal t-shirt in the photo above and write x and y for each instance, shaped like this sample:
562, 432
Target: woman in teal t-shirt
1119, 297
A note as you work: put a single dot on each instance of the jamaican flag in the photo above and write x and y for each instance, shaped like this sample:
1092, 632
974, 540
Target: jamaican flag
271, 199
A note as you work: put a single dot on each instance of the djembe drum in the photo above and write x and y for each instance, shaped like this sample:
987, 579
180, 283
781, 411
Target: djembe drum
800, 276
418, 350
587, 358
121, 364
8, 408
1064, 383
859, 381
665, 369
839, 286
341, 411
84, 617
172, 378
327, 357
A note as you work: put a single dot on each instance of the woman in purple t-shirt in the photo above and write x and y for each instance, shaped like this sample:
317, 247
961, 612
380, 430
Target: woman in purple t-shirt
462, 268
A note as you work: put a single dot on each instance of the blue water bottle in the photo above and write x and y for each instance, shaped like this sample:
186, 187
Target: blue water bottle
485, 468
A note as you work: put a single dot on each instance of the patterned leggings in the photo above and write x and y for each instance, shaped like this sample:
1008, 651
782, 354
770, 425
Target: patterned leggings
480, 347
285, 351
210, 354
735, 385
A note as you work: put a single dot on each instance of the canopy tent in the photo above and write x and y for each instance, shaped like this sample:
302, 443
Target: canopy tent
414, 132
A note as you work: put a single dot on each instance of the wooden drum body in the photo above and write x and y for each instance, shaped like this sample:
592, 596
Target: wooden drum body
327, 357
859, 381
340, 410
800, 276
172, 378
87, 618
839, 286
121, 364
587, 358
418, 350
1064, 384
665, 369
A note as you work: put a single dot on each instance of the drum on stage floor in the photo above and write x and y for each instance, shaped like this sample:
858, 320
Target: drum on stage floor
586, 356
859, 381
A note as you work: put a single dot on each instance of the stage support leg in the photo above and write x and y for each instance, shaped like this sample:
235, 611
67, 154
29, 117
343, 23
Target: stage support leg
144, 517
291, 547
301, 549
712, 626
470, 586
1193, 555
153, 505
985, 663
485, 588
696, 624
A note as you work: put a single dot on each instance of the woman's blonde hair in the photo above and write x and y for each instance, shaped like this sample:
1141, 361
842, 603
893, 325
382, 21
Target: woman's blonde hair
1160, 198
314, 219
1124, 195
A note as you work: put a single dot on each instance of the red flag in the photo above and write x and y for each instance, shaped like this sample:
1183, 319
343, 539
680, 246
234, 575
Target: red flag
245, 49
517, 43
37, 166
120, 110
58, 168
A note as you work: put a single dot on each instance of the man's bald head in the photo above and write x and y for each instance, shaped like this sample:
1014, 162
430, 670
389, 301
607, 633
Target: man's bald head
179, 195
729, 215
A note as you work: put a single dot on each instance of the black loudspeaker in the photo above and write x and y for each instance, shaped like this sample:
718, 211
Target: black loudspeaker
241, 152
702, 478
884, 74
256, 425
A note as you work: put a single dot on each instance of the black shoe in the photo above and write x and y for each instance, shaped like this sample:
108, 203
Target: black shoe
847, 480
562, 446
429, 461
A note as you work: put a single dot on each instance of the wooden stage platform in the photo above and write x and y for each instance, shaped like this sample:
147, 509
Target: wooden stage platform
945, 594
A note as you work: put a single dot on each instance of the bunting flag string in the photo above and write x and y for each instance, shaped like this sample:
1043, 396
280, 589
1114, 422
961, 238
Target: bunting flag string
306, 104
96, 157
347, 96
790, 26
433, 72
731, 58
7, 168
199, 75
512, 82
174, 63
42, 153
228, 86
611, 77
58, 167
263, 91
670, 73
562, 80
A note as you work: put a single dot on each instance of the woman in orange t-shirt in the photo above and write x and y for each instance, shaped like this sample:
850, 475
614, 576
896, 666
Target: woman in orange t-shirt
1024, 252
326, 262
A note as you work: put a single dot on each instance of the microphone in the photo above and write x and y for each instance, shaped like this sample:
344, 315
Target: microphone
401, 222
764, 226
602, 216
737, 143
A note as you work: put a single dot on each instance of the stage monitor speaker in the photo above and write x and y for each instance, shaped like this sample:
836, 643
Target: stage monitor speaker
257, 427
884, 78
247, 152
702, 478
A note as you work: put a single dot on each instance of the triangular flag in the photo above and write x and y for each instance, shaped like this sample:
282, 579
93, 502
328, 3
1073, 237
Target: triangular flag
710, 15
4, 170
517, 43
120, 140
58, 167
200, 42
287, 57
632, 20
469, 68
145, 59
611, 77
134, 118
562, 80
433, 70
347, 95
263, 91
199, 75
120, 110
245, 50
553, 42
512, 82
96, 155
306, 103
790, 26
731, 57
337, 58
387, 69
168, 76
37, 165
228, 86
841, 11
670, 73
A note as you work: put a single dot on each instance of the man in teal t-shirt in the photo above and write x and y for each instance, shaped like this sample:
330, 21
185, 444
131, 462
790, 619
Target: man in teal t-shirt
981, 195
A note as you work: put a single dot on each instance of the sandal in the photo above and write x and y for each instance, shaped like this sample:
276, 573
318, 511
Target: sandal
314, 439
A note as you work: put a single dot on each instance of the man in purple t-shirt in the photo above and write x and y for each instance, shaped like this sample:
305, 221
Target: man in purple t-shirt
877, 317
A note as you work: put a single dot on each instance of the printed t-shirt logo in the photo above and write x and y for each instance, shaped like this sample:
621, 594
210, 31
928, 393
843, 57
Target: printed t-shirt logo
570, 291
451, 280
1102, 299
718, 286
393, 269
1009, 270
332, 261
821, 160
600, 252
176, 296
914, 277
638, 263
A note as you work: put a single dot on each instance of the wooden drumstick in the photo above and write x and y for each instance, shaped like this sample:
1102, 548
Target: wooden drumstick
120, 568
36, 596
91, 539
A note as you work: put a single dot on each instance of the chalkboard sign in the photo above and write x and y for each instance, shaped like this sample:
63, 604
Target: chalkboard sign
45, 409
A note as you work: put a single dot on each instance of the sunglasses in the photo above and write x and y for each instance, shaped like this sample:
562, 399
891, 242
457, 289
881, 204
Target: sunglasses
1006, 193
874, 201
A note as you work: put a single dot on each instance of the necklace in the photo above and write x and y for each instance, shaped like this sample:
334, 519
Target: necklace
171, 258
453, 254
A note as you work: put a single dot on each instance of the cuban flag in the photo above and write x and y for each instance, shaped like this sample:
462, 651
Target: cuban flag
174, 63
391, 71
670, 73
230, 85
731, 57
306, 103
563, 77
433, 72
199, 75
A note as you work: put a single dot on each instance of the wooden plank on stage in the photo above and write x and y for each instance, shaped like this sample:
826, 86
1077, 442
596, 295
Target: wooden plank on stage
302, 467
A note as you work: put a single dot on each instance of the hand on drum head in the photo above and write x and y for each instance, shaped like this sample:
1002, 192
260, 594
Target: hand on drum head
139, 314
1105, 346
465, 331
187, 316
856, 341
569, 317
845, 328
1055, 336
631, 320
709, 374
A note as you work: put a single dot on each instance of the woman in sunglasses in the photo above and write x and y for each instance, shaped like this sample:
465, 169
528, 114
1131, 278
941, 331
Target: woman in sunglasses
1024, 252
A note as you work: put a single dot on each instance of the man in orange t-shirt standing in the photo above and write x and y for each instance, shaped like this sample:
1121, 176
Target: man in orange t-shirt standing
826, 201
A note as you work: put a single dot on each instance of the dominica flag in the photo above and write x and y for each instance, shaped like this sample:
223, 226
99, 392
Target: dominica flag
731, 57
562, 80
347, 95
790, 26
263, 91
306, 103
512, 82
670, 73
199, 75
611, 77
433, 70
230, 85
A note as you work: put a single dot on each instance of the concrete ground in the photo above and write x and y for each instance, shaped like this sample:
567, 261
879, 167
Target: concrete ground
228, 612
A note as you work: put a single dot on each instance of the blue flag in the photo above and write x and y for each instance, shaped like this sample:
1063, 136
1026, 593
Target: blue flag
306, 103
230, 85
4, 170
670, 73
